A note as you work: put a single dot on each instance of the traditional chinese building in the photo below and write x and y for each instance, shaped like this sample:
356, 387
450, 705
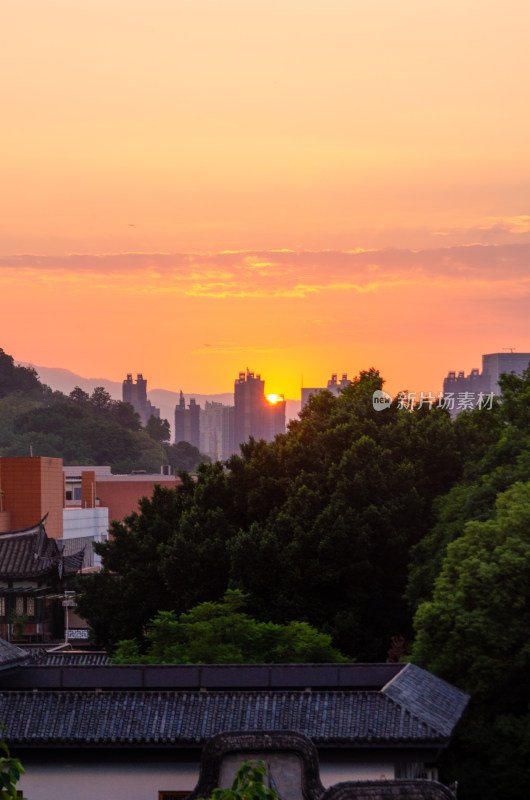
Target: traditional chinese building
35, 575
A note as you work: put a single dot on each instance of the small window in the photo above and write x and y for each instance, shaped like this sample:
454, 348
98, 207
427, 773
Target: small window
30, 606
171, 795
19, 605
2, 606
77, 493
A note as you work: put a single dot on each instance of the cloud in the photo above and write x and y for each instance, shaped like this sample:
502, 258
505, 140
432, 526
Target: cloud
281, 273
230, 349
518, 224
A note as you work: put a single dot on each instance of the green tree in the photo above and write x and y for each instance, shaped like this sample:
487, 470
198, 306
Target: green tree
495, 448
248, 784
101, 400
125, 415
11, 405
475, 633
79, 396
316, 526
10, 771
220, 632
119, 600
18, 379
184, 456
158, 429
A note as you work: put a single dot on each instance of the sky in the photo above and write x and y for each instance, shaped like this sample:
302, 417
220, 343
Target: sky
192, 187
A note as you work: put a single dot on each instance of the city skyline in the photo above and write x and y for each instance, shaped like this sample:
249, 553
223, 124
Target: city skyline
296, 187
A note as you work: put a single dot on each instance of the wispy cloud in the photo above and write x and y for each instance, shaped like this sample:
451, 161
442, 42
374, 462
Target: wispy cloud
281, 273
226, 348
517, 224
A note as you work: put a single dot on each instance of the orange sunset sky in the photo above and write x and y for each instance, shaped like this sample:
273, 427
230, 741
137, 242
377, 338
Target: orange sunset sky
191, 187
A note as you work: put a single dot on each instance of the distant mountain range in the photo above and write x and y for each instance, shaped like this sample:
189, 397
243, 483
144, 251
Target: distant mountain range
63, 380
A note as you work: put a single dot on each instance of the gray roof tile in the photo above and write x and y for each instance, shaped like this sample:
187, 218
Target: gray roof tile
147, 717
428, 697
11, 655
31, 553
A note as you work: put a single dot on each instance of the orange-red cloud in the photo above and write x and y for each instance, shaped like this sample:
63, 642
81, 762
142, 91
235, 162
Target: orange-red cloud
275, 274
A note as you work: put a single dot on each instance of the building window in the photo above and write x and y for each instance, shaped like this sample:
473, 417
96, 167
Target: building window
2, 606
19, 605
30, 606
171, 794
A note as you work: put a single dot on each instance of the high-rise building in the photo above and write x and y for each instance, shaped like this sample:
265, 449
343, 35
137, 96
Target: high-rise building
135, 393
217, 431
457, 385
493, 365
254, 414
334, 386
187, 422
249, 405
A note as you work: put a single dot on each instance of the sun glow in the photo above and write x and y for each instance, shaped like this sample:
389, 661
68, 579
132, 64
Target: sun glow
275, 398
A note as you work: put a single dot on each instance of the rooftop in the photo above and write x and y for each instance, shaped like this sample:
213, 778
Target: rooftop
30, 554
64, 714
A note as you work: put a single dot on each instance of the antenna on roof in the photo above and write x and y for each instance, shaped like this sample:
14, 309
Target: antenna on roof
510, 349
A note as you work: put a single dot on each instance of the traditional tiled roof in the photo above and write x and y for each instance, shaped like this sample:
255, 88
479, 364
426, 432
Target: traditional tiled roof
430, 698
31, 554
67, 658
191, 717
11, 655
389, 790
27, 553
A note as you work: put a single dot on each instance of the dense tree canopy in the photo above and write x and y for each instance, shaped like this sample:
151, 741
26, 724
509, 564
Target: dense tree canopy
18, 379
475, 632
495, 448
316, 526
469, 582
80, 428
184, 456
221, 633
158, 429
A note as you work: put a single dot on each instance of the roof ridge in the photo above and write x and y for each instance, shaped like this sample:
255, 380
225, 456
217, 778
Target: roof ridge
31, 529
413, 715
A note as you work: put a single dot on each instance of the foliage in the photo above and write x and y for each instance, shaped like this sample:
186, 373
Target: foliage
158, 429
496, 454
248, 784
10, 771
316, 526
118, 606
80, 428
18, 379
11, 405
185, 456
221, 633
475, 633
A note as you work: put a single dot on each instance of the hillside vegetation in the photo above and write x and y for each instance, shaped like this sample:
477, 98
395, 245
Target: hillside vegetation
81, 428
